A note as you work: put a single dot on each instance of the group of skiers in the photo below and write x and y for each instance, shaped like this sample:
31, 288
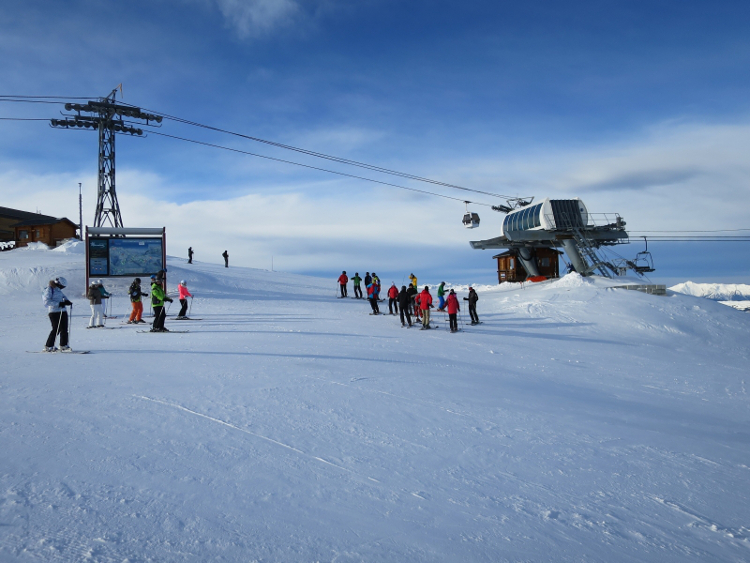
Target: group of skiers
410, 301
56, 304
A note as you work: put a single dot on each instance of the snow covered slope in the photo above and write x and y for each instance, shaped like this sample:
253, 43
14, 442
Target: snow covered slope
579, 422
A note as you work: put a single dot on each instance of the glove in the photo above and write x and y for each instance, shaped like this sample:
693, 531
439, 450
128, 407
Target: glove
169, 299
145, 294
62, 303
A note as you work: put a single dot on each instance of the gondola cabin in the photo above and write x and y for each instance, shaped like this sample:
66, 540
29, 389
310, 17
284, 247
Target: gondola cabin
471, 220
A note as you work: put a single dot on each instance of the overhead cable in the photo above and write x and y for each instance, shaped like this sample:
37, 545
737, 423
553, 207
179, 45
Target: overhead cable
310, 166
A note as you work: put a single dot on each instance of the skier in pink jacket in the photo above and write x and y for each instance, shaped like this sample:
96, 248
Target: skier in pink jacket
184, 294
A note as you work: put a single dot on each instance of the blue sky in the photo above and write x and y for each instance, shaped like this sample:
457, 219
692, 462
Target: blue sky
639, 108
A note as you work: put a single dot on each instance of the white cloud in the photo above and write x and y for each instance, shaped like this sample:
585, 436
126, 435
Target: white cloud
251, 18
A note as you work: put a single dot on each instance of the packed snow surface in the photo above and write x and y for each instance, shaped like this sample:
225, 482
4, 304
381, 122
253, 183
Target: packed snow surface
578, 423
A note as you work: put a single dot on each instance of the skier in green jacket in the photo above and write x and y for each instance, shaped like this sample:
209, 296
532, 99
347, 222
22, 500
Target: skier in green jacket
357, 289
441, 296
158, 297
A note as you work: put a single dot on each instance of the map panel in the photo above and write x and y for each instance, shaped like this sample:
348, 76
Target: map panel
133, 257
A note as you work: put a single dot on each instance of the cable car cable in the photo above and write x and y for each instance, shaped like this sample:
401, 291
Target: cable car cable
311, 167
333, 158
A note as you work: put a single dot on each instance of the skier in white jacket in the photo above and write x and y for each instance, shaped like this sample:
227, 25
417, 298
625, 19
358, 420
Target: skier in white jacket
55, 302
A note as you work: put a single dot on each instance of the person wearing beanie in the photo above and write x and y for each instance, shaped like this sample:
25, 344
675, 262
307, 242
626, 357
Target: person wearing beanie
425, 303
441, 297
343, 280
95, 297
404, 304
356, 280
184, 294
453, 309
393, 299
472, 299
135, 293
158, 297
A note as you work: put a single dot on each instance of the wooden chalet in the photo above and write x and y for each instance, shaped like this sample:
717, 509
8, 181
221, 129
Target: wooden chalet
510, 269
24, 227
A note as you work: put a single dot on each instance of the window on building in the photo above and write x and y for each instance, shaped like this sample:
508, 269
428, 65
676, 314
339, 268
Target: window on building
23, 234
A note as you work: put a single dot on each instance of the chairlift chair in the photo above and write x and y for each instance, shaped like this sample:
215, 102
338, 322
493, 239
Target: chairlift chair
470, 220
643, 262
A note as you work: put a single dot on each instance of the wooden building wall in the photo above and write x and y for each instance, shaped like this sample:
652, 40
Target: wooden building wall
510, 268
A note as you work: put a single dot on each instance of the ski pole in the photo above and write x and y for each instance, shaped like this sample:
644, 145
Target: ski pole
70, 322
59, 320
191, 306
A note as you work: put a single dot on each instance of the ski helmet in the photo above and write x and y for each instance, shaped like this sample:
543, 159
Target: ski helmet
183, 282
138, 280
92, 283
153, 276
61, 281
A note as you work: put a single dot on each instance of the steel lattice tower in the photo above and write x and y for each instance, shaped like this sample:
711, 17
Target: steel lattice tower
107, 117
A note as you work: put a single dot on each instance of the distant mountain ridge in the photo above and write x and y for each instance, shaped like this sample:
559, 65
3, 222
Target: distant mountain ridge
714, 291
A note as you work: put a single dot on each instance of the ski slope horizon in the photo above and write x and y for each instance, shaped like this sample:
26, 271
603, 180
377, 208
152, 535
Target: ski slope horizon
578, 422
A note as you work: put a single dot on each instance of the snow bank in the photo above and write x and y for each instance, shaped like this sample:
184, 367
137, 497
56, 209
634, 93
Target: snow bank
71, 246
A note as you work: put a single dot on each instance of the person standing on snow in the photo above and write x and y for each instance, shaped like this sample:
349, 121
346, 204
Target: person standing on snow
368, 279
135, 294
425, 302
453, 309
412, 291
184, 294
343, 280
190, 255
404, 303
472, 299
376, 280
372, 296
105, 295
55, 302
357, 290
393, 298
225, 254
97, 308
441, 297
158, 297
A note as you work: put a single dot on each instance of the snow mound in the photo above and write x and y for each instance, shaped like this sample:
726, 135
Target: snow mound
35, 246
714, 291
573, 279
71, 246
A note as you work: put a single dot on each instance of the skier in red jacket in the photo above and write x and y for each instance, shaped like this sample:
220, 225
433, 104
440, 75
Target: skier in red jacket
343, 280
453, 309
393, 299
425, 302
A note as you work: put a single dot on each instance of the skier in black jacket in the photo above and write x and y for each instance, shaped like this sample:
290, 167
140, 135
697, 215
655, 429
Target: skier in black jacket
472, 299
404, 302
412, 292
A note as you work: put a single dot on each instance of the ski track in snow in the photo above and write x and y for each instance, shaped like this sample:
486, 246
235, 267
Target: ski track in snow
245, 431
579, 422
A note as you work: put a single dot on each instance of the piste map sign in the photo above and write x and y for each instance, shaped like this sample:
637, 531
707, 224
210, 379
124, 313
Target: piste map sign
125, 256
